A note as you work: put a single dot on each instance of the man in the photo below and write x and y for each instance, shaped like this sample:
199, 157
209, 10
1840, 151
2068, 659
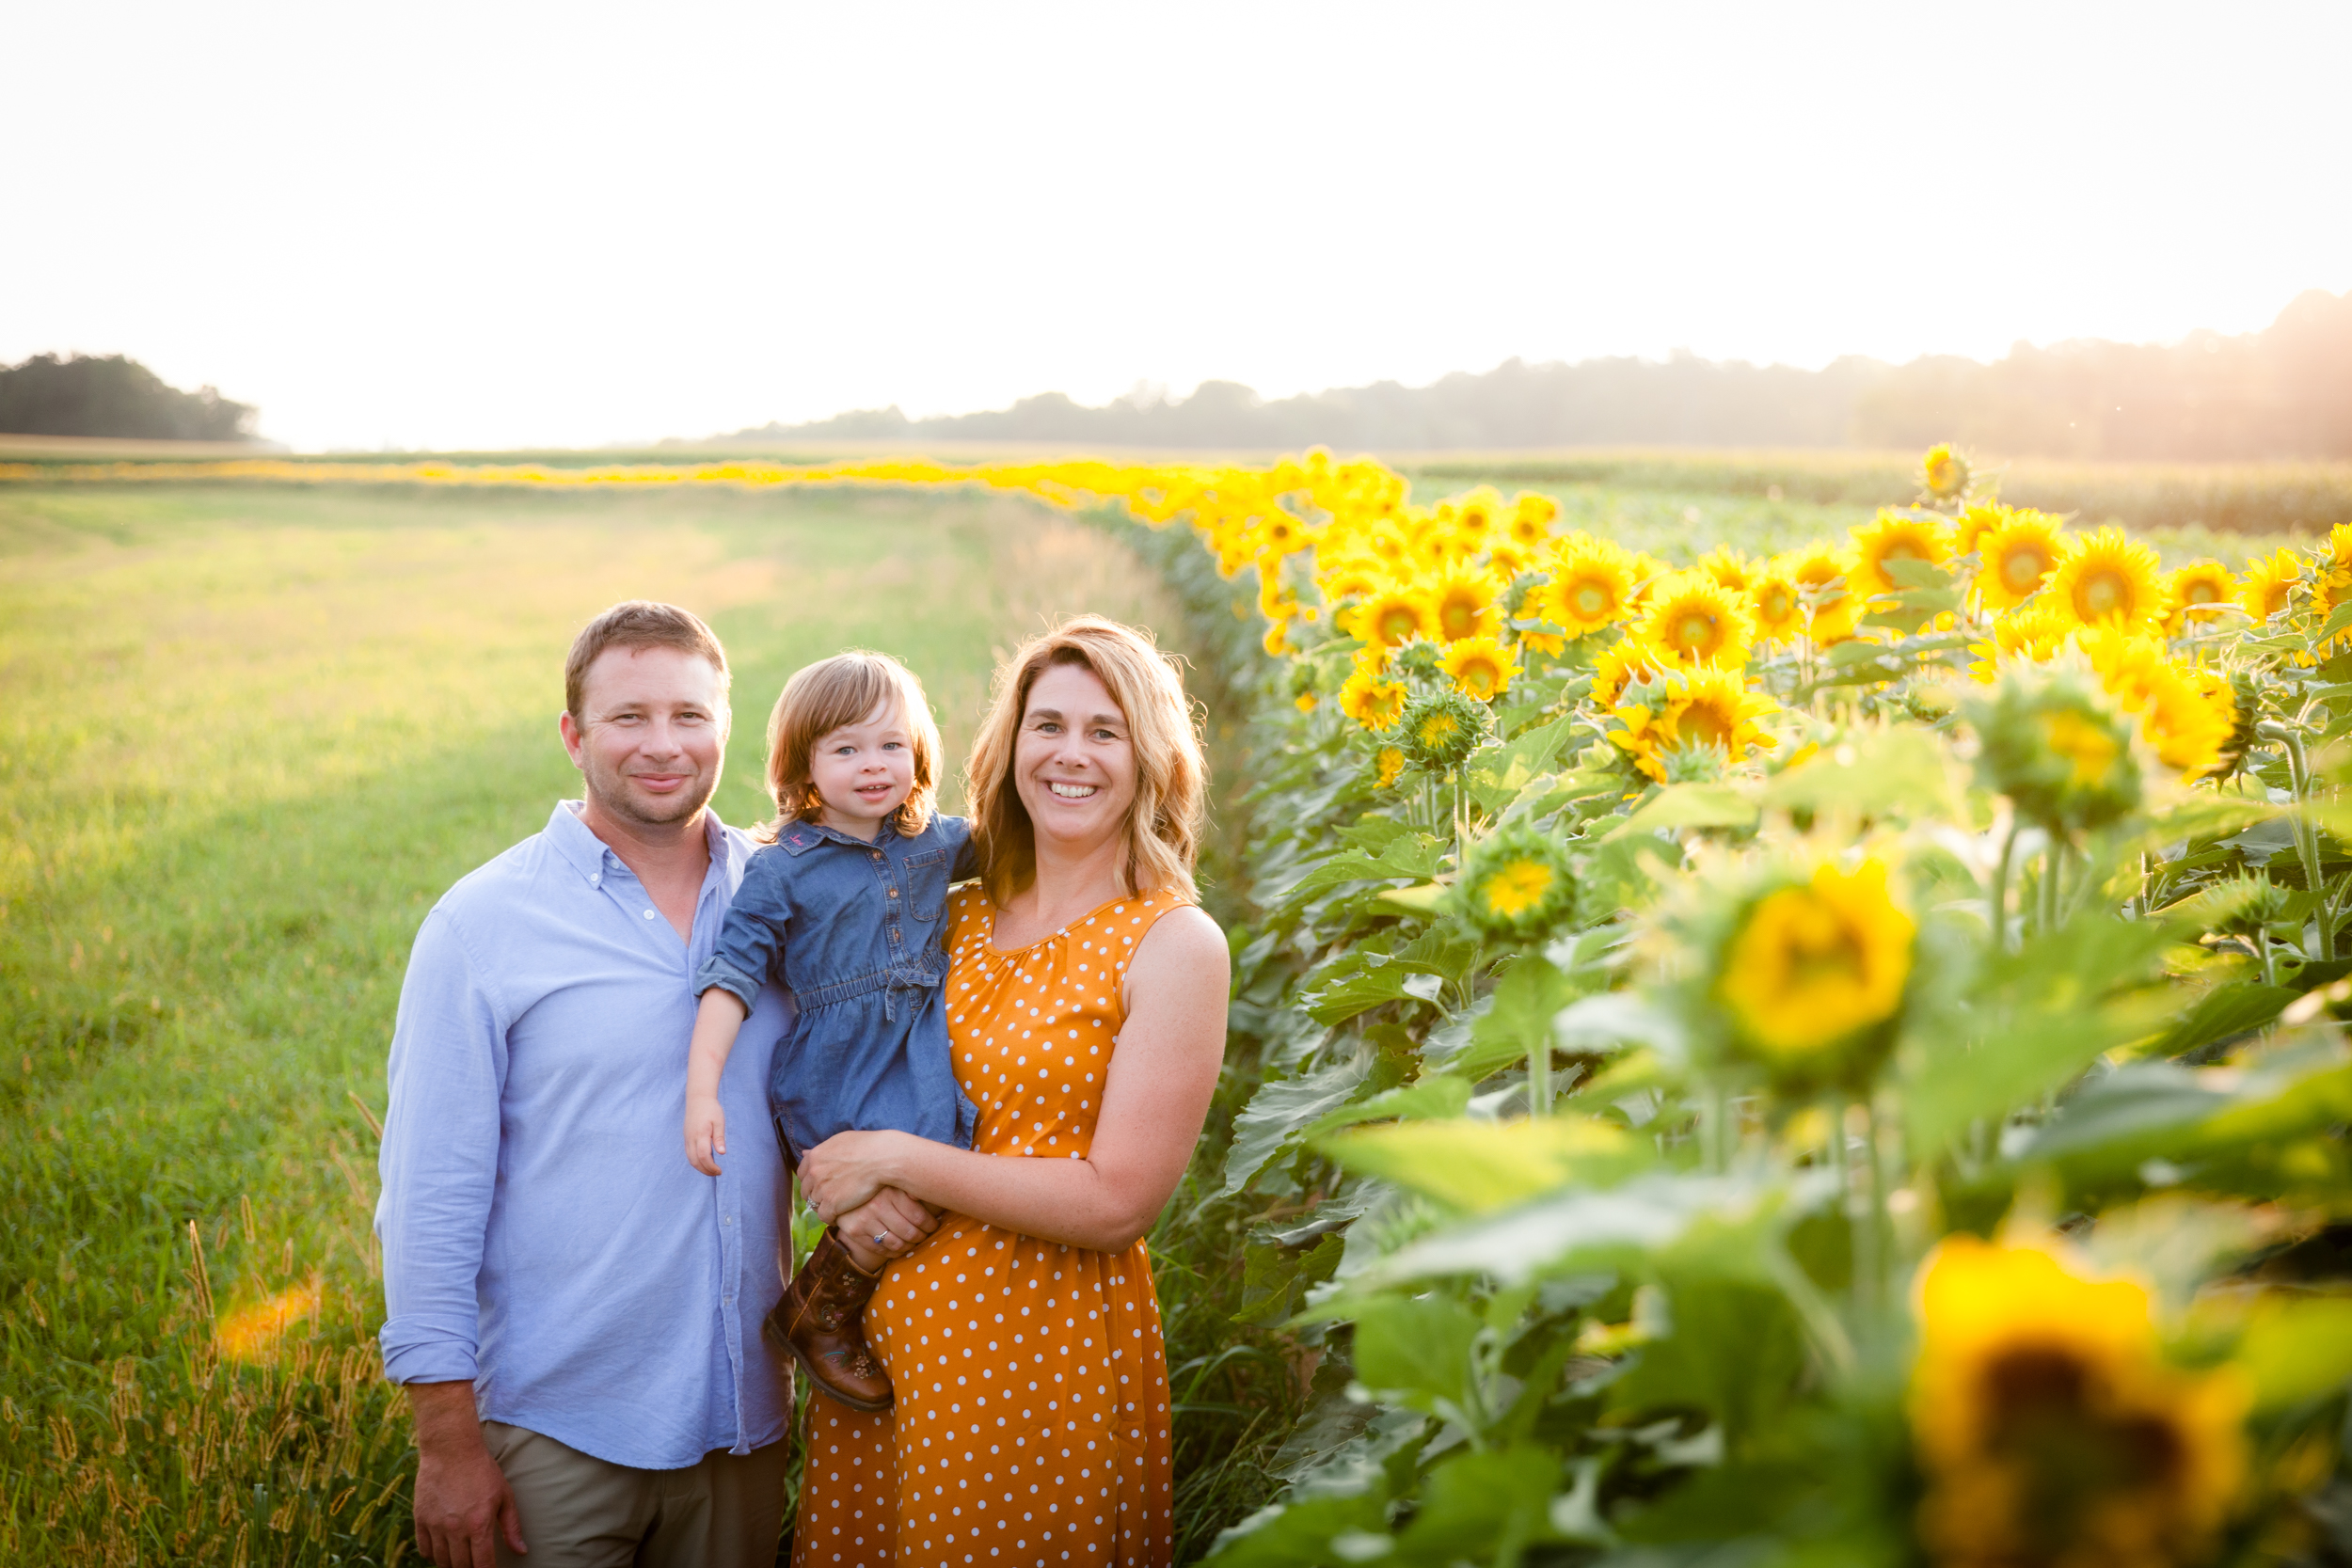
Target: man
575, 1311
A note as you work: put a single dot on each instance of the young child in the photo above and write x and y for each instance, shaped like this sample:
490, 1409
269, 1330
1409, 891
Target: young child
844, 908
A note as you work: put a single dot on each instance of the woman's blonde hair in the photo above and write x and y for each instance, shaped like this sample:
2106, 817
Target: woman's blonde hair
822, 697
1163, 829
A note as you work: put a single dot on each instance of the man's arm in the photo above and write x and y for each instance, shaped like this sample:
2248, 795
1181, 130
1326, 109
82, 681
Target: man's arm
439, 1164
462, 1494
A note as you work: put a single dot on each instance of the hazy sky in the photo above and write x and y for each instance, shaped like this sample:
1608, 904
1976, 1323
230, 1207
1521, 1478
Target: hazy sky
490, 223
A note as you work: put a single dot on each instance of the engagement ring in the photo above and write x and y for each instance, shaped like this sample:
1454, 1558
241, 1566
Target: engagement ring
883, 1239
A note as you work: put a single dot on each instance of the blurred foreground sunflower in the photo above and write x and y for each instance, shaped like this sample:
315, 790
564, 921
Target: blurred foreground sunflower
2050, 1429
1530, 520
1812, 969
1729, 567
2051, 740
1388, 765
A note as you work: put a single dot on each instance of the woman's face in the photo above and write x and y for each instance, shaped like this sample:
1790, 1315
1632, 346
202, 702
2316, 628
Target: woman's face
1074, 763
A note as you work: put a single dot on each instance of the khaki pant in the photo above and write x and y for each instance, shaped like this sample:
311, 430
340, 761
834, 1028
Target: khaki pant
578, 1512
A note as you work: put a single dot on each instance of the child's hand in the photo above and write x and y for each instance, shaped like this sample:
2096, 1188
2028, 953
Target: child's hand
706, 1132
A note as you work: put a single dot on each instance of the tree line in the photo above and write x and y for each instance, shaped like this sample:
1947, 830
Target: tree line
112, 395
2282, 392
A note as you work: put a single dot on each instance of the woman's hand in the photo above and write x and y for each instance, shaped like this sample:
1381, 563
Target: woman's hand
845, 1171
890, 1223
706, 1132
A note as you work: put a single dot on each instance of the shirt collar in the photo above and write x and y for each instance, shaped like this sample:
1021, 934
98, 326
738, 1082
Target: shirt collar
591, 856
796, 836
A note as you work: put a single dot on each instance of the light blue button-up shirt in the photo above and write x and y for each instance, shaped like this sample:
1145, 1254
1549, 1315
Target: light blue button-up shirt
544, 1235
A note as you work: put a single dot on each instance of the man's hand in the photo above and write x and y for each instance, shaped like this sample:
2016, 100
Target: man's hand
706, 1132
462, 1496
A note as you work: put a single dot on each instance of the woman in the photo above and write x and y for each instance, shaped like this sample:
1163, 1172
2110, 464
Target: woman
1087, 1014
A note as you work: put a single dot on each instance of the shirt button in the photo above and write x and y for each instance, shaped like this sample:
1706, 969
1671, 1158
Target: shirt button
596, 880
649, 914
875, 853
894, 892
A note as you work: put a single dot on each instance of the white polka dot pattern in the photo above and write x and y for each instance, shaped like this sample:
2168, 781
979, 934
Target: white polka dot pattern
1032, 1422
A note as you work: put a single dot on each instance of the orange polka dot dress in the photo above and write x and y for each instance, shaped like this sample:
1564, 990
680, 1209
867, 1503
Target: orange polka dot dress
1031, 1423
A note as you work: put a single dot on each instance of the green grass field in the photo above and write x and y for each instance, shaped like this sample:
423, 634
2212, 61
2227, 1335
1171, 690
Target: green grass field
249, 735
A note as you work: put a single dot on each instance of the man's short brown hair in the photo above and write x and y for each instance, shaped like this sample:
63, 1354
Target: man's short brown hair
638, 624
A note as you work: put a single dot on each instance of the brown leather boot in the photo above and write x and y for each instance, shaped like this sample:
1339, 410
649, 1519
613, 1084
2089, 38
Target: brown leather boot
820, 1324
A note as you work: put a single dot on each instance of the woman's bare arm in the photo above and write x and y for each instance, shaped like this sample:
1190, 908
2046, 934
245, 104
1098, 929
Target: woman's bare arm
1155, 1097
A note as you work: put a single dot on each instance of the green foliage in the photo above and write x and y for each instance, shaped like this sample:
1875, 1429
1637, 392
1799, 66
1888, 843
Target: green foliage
110, 395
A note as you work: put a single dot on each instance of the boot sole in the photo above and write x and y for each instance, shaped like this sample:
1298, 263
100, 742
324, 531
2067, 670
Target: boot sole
783, 1344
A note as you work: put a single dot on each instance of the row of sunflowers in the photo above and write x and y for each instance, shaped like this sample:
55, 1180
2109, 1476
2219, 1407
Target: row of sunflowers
1831, 1058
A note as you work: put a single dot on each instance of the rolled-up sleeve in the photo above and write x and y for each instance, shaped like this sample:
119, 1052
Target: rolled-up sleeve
440, 1159
751, 935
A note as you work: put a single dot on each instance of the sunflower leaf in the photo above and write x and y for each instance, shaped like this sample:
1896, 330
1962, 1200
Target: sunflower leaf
1689, 805
1281, 1110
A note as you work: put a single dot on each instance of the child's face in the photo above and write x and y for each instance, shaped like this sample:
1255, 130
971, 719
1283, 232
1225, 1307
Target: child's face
864, 771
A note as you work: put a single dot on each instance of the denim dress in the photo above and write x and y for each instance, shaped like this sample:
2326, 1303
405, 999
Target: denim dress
855, 932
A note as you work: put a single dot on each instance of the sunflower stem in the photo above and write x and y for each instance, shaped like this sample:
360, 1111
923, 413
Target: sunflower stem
2307, 846
1999, 899
1875, 1226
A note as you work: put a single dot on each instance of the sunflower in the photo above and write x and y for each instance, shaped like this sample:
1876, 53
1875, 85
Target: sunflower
1648, 572
1371, 702
1394, 615
1532, 516
1813, 570
2108, 578
1629, 661
1942, 473
1389, 543
2178, 716
1478, 517
2056, 745
1516, 885
1698, 621
1973, 524
1463, 601
1354, 576
1706, 708
2269, 583
1388, 765
1592, 584
2198, 591
1896, 536
2049, 1426
1440, 732
2019, 553
1730, 567
2033, 631
1772, 601
1813, 965
1480, 667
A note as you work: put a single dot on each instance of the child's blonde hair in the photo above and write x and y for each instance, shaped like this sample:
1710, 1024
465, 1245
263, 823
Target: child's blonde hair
826, 695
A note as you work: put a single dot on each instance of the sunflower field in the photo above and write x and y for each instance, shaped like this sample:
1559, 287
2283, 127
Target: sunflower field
1835, 1058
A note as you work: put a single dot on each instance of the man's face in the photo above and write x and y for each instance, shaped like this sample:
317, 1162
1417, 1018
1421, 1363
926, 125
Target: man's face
650, 735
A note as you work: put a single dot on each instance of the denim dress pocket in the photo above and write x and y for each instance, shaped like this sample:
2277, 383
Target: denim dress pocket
927, 885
